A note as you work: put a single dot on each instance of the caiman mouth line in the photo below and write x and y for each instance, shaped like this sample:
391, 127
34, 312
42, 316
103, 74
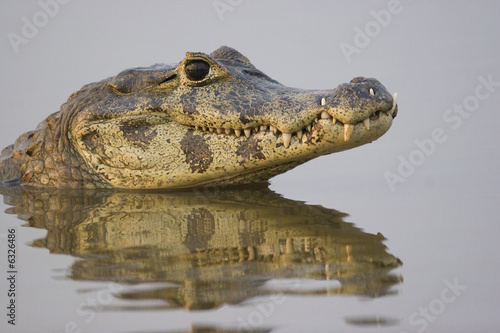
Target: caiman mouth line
287, 137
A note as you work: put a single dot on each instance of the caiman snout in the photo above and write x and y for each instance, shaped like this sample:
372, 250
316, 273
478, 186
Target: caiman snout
361, 101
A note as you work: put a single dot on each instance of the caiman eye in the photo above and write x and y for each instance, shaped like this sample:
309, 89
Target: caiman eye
197, 70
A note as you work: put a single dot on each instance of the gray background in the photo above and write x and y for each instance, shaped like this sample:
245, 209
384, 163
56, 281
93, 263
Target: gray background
441, 220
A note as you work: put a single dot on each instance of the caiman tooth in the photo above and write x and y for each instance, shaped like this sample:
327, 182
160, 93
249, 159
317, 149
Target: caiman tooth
271, 128
237, 132
263, 128
299, 134
227, 131
196, 127
323, 101
219, 130
287, 137
211, 130
309, 128
247, 131
204, 128
394, 103
334, 121
371, 92
348, 129
366, 122
325, 115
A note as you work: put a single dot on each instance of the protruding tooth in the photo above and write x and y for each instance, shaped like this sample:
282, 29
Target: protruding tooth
237, 132
287, 137
205, 128
263, 128
219, 130
371, 92
211, 129
227, 131
334, 121
271, 128
325, 115
348, 129
196, 127
323, 101
247, 131
299, 134
394, 103
309, 128
366, 122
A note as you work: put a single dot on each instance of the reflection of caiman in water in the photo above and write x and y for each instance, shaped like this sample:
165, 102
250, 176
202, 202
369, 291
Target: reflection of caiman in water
209, 249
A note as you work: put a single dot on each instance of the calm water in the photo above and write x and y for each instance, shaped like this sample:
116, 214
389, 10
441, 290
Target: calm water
397, 236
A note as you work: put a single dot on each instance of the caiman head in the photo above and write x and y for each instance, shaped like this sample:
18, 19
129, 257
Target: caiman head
212, 119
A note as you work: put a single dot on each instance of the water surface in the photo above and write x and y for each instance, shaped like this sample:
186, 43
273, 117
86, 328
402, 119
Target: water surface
332, 245
200, 251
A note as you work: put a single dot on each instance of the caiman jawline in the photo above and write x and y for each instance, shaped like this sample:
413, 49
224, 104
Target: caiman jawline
287, 137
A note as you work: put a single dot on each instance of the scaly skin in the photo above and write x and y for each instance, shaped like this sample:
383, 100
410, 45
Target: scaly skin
213, 119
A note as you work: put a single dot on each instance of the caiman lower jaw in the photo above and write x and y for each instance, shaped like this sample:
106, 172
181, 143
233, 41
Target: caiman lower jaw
287, 137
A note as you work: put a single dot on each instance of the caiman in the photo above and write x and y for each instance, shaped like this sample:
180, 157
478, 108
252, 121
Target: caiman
211, 119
